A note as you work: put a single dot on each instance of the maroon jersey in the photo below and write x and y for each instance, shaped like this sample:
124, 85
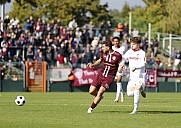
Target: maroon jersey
110, 63
107, 73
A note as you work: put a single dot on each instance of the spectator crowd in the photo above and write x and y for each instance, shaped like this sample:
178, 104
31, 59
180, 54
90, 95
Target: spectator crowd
39, 40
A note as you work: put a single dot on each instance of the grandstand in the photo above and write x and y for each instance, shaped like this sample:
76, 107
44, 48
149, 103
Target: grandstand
75, 46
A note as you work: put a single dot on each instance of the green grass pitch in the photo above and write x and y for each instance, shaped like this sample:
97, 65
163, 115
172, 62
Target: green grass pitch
69, 110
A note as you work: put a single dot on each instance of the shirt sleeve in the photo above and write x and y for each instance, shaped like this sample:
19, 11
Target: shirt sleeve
119, 58
125, 57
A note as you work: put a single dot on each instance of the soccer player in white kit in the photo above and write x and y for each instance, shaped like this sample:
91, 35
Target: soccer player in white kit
137, 62
116, 47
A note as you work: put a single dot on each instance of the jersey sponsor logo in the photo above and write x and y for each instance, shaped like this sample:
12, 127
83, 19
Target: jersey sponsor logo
134, 58
114, 58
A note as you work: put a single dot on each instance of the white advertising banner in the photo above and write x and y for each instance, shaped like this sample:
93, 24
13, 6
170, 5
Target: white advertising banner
59, 74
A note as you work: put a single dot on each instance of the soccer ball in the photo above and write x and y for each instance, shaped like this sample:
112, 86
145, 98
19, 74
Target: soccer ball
20, 100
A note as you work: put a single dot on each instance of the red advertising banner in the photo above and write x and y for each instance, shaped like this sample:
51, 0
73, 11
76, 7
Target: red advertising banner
84, 76
151, 78
169, 73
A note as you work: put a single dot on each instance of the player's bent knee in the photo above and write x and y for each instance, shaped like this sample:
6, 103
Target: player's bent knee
139, 87
130, 93
92, 92
139, 84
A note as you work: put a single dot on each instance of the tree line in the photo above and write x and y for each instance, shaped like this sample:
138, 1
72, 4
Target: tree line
164, 15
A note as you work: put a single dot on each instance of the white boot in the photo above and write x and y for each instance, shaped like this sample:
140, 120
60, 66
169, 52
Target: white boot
89, 110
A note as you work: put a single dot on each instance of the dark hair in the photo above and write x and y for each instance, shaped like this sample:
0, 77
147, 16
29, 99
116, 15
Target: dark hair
136, 40
108, 43
116, 37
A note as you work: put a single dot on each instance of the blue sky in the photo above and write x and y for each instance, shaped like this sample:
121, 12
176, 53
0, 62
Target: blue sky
118, 4
113, 4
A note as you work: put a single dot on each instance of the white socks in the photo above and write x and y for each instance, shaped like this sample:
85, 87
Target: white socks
136, 99
119, 90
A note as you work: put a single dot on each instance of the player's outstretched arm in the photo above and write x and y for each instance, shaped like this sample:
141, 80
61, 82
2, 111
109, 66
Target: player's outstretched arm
89, 65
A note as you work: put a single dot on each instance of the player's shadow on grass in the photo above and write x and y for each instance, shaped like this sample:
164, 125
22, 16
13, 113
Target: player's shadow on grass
161, 112
121, 111
148, 112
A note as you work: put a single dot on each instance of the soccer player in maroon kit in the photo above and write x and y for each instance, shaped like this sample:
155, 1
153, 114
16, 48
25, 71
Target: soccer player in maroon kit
111, 64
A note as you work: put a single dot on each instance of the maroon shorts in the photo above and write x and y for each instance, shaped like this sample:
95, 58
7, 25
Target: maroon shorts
100, 80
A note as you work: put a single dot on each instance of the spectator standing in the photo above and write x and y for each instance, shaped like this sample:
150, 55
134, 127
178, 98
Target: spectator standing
126, 29
88, 54
107, 27
73, 24
135, 32
120, 30
38, 28
29, 54
74, 58
155, 47
40, 57
177, 64
60, 60
59, 24
31, 27
55, 56
6, 23
71, 80
27, 25
48, 56
84, 37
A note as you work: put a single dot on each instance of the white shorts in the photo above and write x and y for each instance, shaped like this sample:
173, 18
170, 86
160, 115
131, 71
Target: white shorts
134, 82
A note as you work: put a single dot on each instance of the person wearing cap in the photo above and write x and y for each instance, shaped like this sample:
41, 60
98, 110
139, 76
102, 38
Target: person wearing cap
137, 61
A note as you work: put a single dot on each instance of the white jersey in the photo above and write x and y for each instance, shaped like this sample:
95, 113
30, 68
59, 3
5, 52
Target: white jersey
137, 59
120, 49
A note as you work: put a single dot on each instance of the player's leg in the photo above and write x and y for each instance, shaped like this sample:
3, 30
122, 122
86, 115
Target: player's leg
138, 89
136, 94
133, 91
97, 99
136, 101
119, 88
143, 93
93, 90
130, 88
105, 83
142, 90
140, 85
95, 86
130, 91
99, 96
